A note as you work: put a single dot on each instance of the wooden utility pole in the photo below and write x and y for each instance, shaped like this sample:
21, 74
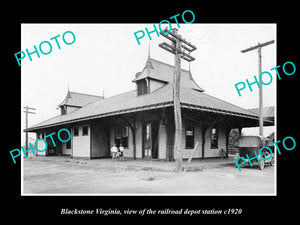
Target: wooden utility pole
177, 44
26, 124
258, 47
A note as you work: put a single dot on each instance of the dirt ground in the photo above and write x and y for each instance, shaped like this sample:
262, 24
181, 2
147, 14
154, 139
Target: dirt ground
62, 175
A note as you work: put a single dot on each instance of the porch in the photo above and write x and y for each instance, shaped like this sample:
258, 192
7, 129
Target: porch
149, 134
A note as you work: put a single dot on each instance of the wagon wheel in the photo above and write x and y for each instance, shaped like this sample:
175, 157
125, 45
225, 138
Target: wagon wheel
261, 164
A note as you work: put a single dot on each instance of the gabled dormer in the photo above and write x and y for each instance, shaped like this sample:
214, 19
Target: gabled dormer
157, 74
147, 81
75, 100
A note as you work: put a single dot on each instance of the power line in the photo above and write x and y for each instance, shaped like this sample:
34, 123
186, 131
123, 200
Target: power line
26, 124
178, 43
258, 47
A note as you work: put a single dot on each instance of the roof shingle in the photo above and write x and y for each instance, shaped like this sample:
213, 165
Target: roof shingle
79, 99
164, 72
190, 93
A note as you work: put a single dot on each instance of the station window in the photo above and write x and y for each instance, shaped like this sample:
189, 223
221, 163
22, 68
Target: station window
142, 87
68, 145
121, 136
214, 138
125, 137
76, 133
85, 130
189, 135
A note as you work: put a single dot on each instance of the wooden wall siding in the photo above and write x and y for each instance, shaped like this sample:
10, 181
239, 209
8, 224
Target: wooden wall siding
221, 143
71, 109
81, 144
197, 137
64, 149
170, 130
100, 141
138, 139
111, 138
154, 85
128, 152
162, 142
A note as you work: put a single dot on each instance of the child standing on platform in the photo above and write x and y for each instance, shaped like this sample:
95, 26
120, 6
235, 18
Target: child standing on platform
121, 149
114, 151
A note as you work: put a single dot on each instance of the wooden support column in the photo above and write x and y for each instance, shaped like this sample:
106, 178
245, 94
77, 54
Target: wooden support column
204, 129
133, 129
227, 132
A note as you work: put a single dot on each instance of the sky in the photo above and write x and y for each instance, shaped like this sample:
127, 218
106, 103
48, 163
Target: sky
105, 58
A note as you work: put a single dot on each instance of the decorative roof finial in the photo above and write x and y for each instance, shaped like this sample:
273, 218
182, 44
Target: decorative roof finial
149, 63
190, 74
68, 94
149, 50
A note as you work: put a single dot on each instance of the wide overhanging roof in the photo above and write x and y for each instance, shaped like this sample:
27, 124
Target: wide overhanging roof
129, 102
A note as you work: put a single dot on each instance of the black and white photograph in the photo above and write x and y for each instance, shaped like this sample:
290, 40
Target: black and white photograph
110, 113
144, 111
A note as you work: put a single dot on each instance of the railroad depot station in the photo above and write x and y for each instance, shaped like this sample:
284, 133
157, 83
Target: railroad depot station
142, 120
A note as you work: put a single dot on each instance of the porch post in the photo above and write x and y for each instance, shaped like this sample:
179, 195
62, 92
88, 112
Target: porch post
133, 139
204, 129
227, 132
240, 130
37, 137
133, 128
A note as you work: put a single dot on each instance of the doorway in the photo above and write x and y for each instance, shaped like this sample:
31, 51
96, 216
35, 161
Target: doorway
150, 140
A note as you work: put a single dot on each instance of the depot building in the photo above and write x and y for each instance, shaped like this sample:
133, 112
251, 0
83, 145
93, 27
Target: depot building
142, 120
